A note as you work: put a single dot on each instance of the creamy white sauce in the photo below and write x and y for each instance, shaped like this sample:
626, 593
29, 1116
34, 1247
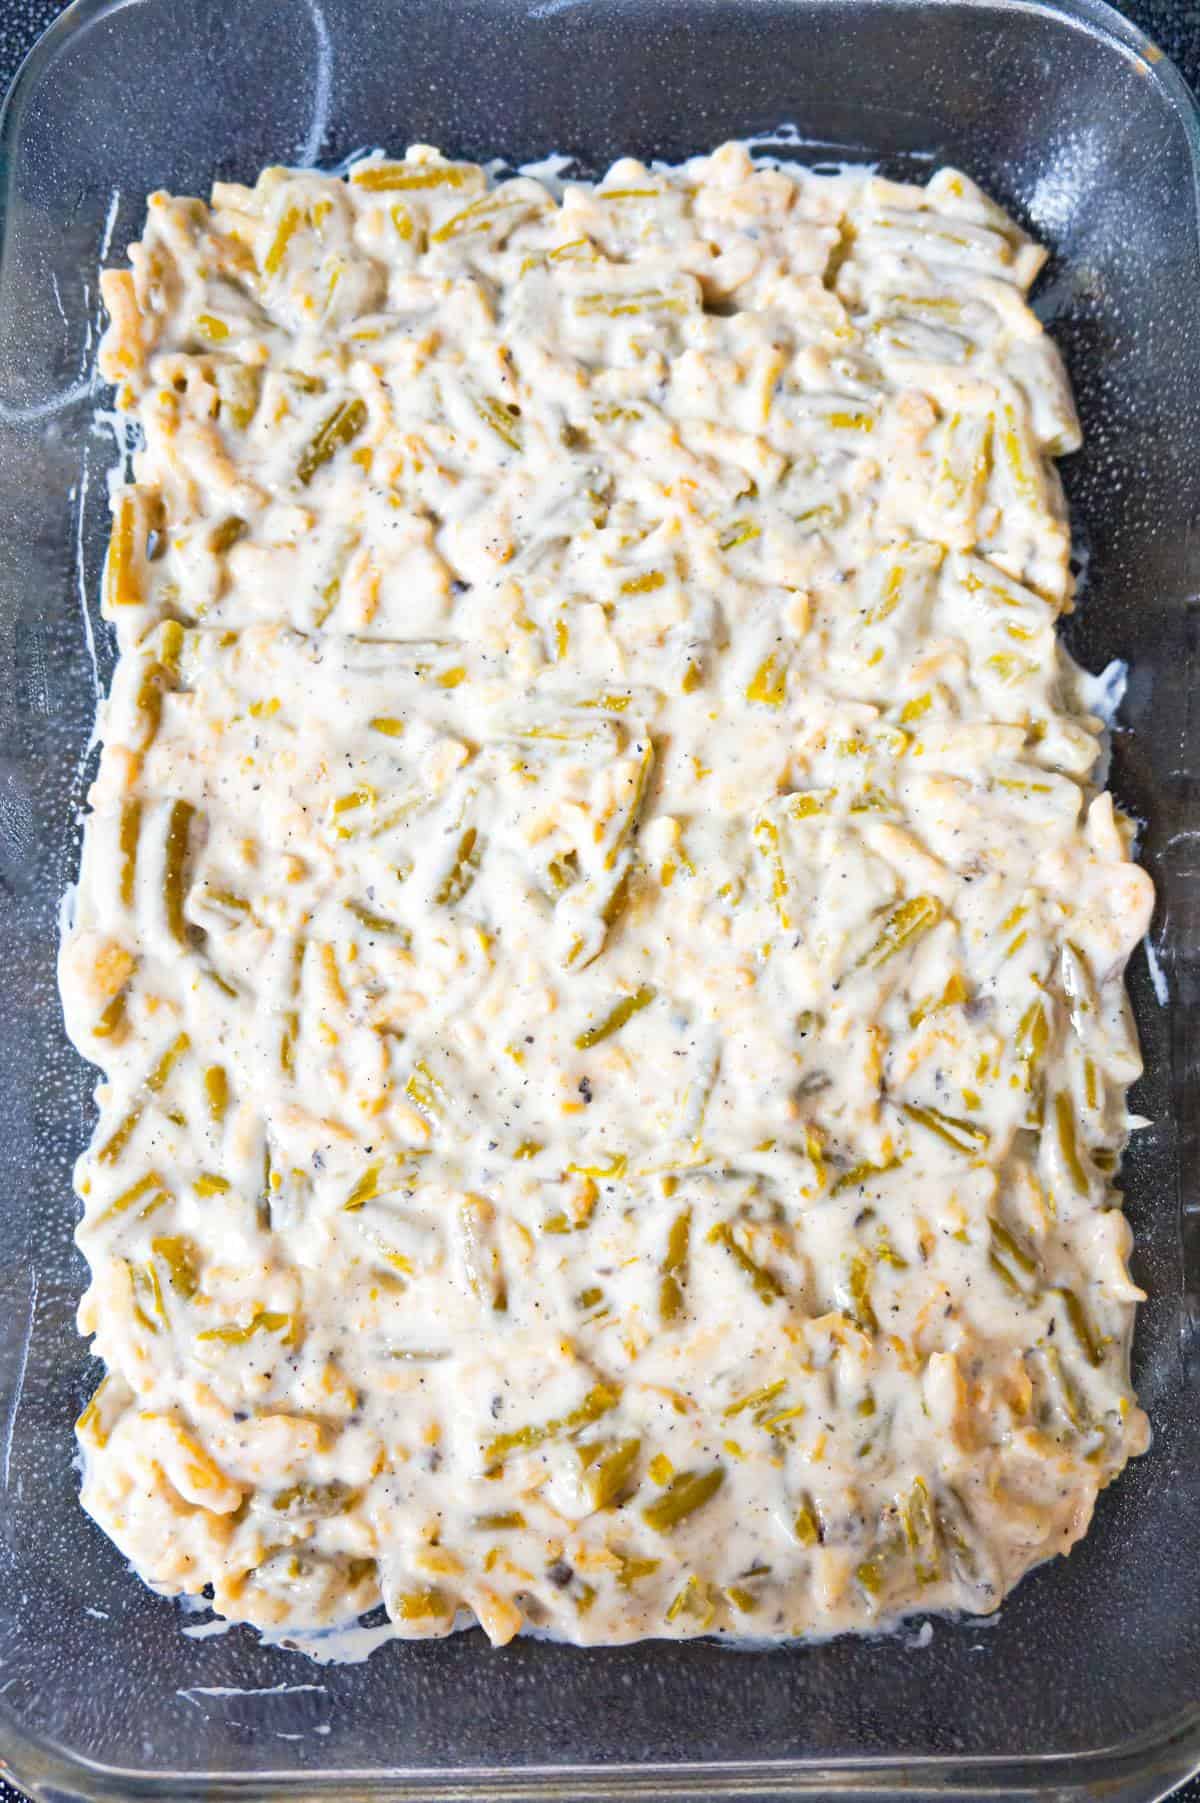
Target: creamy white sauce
603, 942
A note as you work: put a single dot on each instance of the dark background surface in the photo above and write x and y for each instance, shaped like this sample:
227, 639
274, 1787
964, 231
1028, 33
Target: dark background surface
1173, 24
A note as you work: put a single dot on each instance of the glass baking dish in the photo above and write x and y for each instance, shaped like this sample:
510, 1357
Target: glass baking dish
1089, 1678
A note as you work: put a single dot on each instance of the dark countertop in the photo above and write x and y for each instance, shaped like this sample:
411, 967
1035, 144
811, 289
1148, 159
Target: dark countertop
1173, 24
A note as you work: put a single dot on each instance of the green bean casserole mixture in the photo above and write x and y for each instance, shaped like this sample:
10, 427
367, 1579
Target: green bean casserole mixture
597, 917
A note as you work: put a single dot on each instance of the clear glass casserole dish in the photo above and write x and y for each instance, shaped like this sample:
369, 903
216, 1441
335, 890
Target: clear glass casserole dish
1090, 1675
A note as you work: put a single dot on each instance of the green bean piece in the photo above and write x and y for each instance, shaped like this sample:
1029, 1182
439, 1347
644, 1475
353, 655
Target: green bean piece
113, 1147
482, 214
111, 1023
262, 1321
1064, 1118
322, 1500
955, 1527
122, 586
111, 1150
607, 1467
1080, 1326
695, 1600
379, 923
615, 1019
169, 641
964, 1136
768, 685
166, 1064
903, 927
305, 382
739, 533
1065, 1395
365, 1189
598, 1401
806, 1523
216, 1088
501, 419
287, 1042
147, 1296
89, 1425
128, 838
633, 1570
886, 1253
149, 699
1008, 1258
224, 537
179, 828
422, 1605
381, 178
462, 871
630, 304
225, 898
563, 871
424, 1089
1033, 1037
485, 1272
1079, 986
240, 388
920, 1533
766, 1287
182, 1261
149, 1189
870, 1575
756, 1400
674, 1267
342, 426
633, 813
616, 904
289, 224
160, 671
214, 976
686, 1492
862, 1173
858, 1293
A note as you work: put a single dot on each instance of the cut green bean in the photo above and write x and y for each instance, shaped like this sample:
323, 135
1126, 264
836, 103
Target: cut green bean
608, 1466
615, 1019
1010, 1261
598, 1401
340, 429
963, 1135
857, 1296
766, 1287
903, 927
674, 1267
129, 836
462, 872
179, 828
1068, 1143
150, 1191
685, 1493
1080, 1327
112, 1148
379, 923
182, 1261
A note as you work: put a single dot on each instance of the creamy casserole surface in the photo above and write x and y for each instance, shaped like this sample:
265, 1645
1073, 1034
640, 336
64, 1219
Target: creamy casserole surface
601, 936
